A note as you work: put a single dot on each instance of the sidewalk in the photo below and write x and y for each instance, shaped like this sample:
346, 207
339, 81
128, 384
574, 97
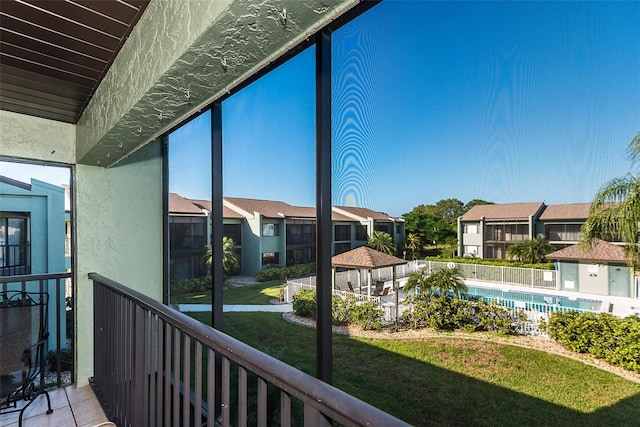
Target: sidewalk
273, 308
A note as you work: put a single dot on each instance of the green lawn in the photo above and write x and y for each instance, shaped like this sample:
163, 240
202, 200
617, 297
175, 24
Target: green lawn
448, 381
254, 294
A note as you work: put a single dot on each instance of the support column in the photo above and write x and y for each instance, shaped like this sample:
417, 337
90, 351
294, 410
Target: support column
324, 350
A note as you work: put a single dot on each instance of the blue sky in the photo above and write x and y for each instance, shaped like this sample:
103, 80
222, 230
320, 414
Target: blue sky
502, 101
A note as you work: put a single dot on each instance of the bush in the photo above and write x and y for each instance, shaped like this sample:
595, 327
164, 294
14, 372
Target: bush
342, 309
304, 303
601, 335
368, 315
447, 313
196, 284
277, 272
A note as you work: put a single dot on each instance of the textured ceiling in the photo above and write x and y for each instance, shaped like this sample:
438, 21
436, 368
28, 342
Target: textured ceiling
54, 53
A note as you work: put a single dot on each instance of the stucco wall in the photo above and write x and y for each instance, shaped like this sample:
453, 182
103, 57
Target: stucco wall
119, 235
33, 138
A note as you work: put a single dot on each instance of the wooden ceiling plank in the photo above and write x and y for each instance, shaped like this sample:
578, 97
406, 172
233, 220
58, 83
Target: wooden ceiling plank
47, 81
88, 18
119, 11
55, 23
9, 93
12, 28
45, 70
50, 61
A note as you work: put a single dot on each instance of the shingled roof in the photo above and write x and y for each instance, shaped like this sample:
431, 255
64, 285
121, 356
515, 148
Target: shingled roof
226, 212
365, 257
180, 205
504, 212
363, 213
577, 211
600, 252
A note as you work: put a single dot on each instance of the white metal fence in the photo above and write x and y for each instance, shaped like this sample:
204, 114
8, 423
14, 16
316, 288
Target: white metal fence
530, 277
294, 286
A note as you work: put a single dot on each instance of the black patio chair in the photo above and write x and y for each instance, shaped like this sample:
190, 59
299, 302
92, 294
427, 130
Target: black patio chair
23, 339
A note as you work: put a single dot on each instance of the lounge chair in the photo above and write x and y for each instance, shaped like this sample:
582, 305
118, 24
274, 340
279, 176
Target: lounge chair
350, 287
385, 292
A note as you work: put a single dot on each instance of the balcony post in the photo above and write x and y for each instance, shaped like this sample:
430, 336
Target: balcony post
324, 352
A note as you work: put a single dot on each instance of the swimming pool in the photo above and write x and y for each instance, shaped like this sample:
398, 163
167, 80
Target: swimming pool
532, 301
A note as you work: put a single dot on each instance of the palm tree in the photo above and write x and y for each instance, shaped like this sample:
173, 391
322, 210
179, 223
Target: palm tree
412, 242
530, 251
382, 242
230, 263
440, 282
615, 211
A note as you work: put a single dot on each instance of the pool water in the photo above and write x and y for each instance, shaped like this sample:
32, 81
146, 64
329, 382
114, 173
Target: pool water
511, 297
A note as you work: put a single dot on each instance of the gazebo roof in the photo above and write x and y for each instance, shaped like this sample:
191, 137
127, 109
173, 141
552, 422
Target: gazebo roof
365, 257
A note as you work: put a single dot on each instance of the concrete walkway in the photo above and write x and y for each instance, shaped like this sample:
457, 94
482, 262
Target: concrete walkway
272, 308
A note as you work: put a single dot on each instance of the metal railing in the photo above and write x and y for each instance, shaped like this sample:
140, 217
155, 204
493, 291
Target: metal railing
58, 342
156, 366
530, 277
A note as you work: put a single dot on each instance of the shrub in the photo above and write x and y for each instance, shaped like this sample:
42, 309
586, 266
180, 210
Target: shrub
601, 335
304, 303
342, 309
368, 315
446, 313
277, 272
196, 284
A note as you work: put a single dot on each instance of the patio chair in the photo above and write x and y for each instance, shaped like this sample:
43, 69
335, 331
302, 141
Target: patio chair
350, 287
379, 285
385, 292
23, 334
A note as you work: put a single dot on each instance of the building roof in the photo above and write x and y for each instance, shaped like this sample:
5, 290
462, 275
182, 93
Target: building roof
575, 211
504, 212
600, 252
226, 211
269, 208
180, 205
363, 214
365, 257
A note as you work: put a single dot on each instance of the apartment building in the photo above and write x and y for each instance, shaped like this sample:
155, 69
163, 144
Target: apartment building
266, 232
486, 231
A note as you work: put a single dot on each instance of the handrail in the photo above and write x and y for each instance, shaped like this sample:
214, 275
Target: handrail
33, 277
321, 396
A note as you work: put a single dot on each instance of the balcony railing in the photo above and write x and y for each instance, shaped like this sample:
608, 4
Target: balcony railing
55, 286
156, 366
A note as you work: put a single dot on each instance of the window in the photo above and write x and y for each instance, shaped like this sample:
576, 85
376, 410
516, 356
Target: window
234, 232
187, 234
470, 229
270, 258
563, 232
361, 232
341, 247
270, 230
398, 228
342, 232
15, 249
387, 227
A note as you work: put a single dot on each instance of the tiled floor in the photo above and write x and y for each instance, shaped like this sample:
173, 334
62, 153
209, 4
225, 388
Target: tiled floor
71, 407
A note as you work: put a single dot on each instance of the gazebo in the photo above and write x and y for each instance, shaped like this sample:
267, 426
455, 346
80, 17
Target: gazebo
366, 258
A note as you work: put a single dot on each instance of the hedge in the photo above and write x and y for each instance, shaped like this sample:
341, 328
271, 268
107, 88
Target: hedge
614, 339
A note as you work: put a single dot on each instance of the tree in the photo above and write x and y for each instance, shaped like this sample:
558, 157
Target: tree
382, 242
230, 263
440, 282
413, 243
615, 211
450, 210
530, 251
427, 225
